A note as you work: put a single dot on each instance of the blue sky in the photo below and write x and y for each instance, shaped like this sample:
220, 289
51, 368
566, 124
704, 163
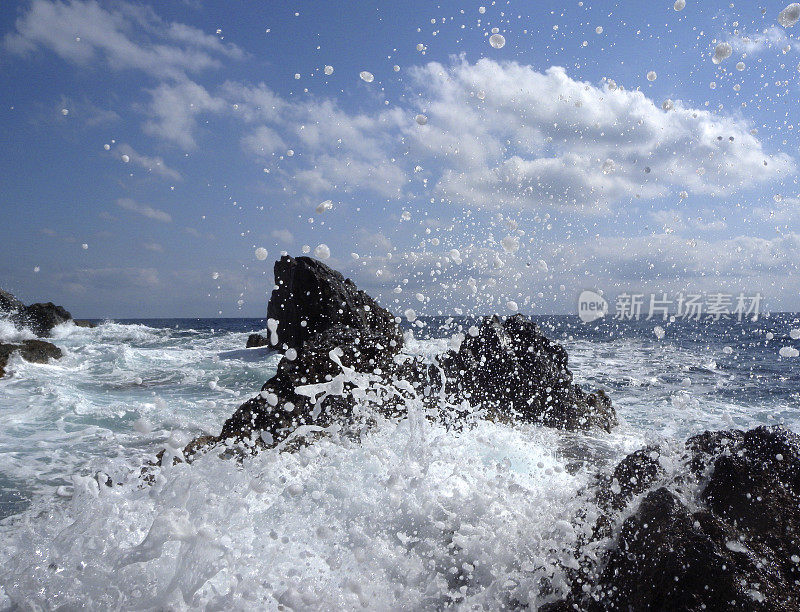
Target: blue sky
174, 139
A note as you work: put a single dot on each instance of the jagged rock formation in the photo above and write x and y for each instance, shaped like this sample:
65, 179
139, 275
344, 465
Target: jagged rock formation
40, 318
9, 303
325, 325
735, 545
309, 297
35, 351
280, 409
512, 370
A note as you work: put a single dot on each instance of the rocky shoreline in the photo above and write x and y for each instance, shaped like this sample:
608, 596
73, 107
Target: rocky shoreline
713, 524
39, 318
328, 330
721, 532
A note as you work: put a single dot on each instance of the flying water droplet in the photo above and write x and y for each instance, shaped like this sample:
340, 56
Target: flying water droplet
790, 15
722, 52
322, 251
498, 41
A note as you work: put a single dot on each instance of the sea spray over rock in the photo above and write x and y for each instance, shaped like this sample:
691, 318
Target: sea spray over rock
412, 516
723, 533
346, 358
390, 509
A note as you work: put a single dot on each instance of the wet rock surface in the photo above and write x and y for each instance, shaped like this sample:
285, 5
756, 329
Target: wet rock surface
256, 340
40, 318
731, 541
288, 401
309, 297
9, 303
342, 350
513, 371
35, 351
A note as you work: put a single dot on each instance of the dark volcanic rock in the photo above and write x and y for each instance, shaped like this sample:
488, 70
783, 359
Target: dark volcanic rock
256, 340
739, 550
633, 476
279, 409
668, 560
9, 304
319, 314
325, 325
516, 373
309, 297
707, 446
42, 318
35, 351
39, 351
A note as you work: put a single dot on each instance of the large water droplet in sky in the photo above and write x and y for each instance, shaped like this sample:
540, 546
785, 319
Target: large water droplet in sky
498, 41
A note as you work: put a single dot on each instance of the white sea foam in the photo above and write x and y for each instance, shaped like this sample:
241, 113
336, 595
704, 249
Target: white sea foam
411, 516
10, 333
76, 415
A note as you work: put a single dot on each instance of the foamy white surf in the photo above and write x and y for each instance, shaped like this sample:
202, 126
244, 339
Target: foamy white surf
77, 414
413, 516
10, 333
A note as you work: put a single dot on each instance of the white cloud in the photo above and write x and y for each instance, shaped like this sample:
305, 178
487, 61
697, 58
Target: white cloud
497, 135
126, 36
253, 103
85, 110
568, 179
331, 173
669, 255
787, 210
264, 142
284, 235
144, 210
156, 165
109, 279
197, 39
772, 37
660, 262
376, 242
509, 135
679, 221
174, 109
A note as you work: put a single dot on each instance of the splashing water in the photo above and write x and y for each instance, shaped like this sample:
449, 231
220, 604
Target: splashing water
406, 514
498, 41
